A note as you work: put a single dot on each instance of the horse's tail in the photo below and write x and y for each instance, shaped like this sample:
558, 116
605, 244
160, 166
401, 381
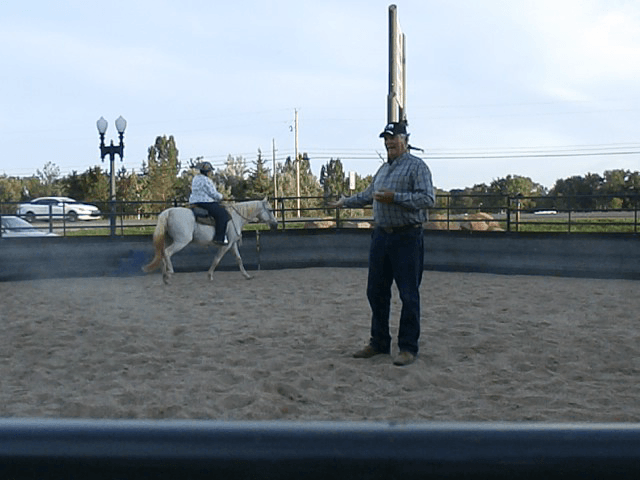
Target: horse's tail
158, 242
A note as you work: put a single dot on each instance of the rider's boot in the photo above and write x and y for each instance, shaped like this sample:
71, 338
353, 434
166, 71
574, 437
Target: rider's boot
223, 242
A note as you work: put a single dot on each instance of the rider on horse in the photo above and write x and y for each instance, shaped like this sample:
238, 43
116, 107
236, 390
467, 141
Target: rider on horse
205, 195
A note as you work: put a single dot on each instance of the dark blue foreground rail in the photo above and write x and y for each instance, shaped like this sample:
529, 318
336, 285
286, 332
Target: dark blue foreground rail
70, 449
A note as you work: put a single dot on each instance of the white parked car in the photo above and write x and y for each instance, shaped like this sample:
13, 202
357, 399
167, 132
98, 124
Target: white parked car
17, 227
57, 207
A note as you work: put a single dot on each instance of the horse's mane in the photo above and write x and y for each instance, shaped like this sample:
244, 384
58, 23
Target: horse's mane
245, 209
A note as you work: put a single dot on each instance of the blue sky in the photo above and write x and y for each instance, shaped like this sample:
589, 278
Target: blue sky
493, 86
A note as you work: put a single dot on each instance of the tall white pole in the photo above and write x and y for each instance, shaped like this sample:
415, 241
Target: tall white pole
397, 96
392, 100
297, 164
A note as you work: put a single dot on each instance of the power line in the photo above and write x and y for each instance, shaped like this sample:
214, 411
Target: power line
528, 155
358, 154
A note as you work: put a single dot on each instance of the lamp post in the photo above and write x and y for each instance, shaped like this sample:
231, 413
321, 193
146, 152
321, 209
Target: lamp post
112, 150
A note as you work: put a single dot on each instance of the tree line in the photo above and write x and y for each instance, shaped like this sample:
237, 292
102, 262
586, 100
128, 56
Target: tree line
615, 189
162, 181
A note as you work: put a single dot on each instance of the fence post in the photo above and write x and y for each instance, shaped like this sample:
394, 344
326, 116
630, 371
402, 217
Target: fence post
64, 220
258, 247
635, 214
508, 213
284, 222
519, 197
570, 205
121, 205
51, 218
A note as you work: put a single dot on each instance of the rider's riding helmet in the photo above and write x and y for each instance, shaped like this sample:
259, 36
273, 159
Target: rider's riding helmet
205, 167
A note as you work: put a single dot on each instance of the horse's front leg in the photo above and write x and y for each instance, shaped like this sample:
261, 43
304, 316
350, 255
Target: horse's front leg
216, 260
236, 252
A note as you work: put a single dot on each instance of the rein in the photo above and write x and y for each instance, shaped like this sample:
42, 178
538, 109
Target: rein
235, 209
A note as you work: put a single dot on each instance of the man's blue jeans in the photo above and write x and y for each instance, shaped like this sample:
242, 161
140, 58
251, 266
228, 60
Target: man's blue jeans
399, 257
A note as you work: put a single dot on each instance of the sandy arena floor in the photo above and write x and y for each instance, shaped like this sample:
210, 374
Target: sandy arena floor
493, 348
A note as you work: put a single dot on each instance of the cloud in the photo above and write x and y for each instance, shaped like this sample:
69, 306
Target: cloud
589, 46
226, 77
77, 60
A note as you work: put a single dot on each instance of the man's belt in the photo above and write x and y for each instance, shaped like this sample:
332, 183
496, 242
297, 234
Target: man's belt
402, 229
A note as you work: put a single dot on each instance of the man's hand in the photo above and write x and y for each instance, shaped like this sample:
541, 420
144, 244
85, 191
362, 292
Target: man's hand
384, 196
337, 203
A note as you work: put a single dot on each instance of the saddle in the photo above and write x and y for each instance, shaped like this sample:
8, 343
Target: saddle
202, 215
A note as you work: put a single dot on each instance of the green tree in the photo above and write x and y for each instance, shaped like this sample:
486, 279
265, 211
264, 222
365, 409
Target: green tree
333, 180
161, 173
615, 183
517, 185
32, 188
460, 201
309, 186
574, 193
442, 200
11, 189
129, 187
259, 183
363, 182
614, 189
49, 173
97, 187
49, 176
73, 186
594, 184
231, 181
632, 187
632, 182
183, 186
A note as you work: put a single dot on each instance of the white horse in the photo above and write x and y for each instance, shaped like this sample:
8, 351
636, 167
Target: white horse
180, 224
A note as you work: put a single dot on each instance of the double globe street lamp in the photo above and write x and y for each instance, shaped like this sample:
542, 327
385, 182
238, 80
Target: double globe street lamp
112, 150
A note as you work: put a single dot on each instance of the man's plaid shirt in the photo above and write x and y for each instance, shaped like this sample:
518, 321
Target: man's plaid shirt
410, 178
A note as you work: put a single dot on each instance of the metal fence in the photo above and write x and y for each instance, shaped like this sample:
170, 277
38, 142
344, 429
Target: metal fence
613, 213
473, 212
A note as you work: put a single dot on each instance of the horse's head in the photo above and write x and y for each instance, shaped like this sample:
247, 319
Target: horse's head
266, 215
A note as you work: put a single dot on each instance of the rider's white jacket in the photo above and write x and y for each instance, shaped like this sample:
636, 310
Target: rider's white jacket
203, 190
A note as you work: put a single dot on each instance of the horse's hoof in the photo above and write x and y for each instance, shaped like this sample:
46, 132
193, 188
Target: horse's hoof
166, 279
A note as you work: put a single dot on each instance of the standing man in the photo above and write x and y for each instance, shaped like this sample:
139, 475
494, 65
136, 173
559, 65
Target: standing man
401, 192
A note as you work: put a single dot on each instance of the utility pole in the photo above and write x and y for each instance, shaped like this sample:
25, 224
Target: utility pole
297, 163
275, 181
